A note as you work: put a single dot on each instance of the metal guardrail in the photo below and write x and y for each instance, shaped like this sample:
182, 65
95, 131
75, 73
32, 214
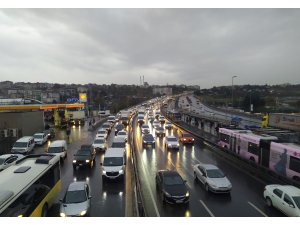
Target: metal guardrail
140, 209
247, 165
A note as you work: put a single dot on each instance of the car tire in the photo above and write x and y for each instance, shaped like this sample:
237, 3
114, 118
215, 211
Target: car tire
44, 210
206, 188
269, 202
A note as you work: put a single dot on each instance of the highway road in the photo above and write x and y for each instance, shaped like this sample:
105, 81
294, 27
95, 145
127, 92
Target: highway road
112, 199
245, 200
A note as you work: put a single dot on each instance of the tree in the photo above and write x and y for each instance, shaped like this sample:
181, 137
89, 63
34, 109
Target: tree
255, 99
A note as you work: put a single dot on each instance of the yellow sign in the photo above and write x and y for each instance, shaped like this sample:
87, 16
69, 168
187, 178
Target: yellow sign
82, 97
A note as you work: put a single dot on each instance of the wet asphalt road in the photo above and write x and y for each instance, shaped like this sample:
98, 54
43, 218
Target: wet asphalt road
245, 200
108, 199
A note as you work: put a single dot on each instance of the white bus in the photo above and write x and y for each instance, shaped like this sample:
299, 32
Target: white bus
285, 159
30, 187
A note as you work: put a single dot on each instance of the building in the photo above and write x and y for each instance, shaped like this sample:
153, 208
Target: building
50, 97
162, 90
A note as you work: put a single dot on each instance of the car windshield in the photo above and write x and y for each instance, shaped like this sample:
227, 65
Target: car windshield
20, 144
149, 138
2, 161
75, 197
99, 141
173, 180
118, 145
113, 161
102, 132
168, 123
55, 149
83, 152
215, 173
39, 136
160, 129
122, 133
297, 201
172, 139
119, 127
105, 126
145, 126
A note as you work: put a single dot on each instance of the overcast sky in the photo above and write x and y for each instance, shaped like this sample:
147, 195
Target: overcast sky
203, 47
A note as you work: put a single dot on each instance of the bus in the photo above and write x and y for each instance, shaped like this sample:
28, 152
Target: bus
227, 137
285, 159
30, 187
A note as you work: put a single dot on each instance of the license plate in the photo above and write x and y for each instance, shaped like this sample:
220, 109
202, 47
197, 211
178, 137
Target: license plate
179, 201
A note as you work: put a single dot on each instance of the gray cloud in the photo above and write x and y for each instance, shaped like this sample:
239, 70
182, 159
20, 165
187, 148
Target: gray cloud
175, 46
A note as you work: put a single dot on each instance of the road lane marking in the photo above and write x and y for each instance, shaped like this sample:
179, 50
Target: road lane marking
257, 209
207, 209
150, 191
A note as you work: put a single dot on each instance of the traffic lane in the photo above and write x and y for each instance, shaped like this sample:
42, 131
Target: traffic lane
149, 162
246, 189
101, 202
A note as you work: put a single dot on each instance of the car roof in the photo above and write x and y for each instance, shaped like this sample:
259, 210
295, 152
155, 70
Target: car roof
208, 166
76, 186
40, 133
118, 139
171, 136
114, 152
25, 138
99, 138
290, 190
5, 156
57, 143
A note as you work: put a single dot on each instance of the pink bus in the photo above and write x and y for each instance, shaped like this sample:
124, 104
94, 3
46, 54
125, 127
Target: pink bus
285, 159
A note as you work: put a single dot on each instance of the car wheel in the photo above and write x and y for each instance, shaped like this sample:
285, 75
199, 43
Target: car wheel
269, 202
74, 167
206, 188
45, 210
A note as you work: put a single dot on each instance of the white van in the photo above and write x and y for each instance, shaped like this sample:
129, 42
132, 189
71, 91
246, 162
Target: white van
58, 147
24, 145
40, 138
113, 166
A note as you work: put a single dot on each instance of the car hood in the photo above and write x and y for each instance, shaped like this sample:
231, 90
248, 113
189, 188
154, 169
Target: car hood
220, 182
98, 145
176, 190
74, 209
112, 168
173, 142
80, 157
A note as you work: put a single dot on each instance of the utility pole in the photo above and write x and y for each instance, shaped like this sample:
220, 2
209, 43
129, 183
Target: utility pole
232, 90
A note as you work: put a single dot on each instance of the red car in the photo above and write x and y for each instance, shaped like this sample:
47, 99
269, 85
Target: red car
187, 138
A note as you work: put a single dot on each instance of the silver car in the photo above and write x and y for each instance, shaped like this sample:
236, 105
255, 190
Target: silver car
77, 200
212, 178
9, 159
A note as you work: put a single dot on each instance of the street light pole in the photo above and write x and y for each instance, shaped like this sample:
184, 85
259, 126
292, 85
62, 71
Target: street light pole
232, 90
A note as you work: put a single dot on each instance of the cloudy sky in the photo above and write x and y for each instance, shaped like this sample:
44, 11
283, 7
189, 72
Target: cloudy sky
204, 47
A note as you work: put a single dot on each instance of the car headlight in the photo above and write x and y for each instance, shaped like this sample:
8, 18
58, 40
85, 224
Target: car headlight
184, 139
83, 213
177, 144
213, 185
187, 194
193, 139
62, 214
167, 194
121, 171
103, 172
74, 161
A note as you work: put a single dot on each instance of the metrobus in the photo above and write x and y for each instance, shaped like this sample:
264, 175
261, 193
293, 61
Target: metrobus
30, 187
285, 159
227, 137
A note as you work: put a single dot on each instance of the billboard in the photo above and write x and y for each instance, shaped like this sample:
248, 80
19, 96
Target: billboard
82, 97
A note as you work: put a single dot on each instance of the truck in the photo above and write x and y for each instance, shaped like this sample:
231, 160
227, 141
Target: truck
76, 118
282, 120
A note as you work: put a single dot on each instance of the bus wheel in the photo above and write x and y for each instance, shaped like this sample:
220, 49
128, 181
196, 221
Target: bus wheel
45, 210
252, 159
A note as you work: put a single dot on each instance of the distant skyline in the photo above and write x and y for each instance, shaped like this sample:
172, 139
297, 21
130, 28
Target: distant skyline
204, 47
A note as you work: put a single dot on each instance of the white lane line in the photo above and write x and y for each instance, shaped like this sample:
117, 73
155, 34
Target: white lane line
148, 186
207, 209
257, 209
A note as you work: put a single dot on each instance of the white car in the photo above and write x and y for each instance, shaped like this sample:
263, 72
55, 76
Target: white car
155, 124
111, 119
145, 129
212, 178
99, 144
58, 147
40, 138
286, 198
77, 200
9, 159
168, 125
171, 142
101, 133
122, 134
161, 119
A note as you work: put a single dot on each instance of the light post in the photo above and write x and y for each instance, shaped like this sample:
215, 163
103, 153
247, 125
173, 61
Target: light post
232, 89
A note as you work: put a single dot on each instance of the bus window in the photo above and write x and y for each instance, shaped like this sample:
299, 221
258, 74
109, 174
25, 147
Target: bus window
225, 138
253, 148
295, 164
